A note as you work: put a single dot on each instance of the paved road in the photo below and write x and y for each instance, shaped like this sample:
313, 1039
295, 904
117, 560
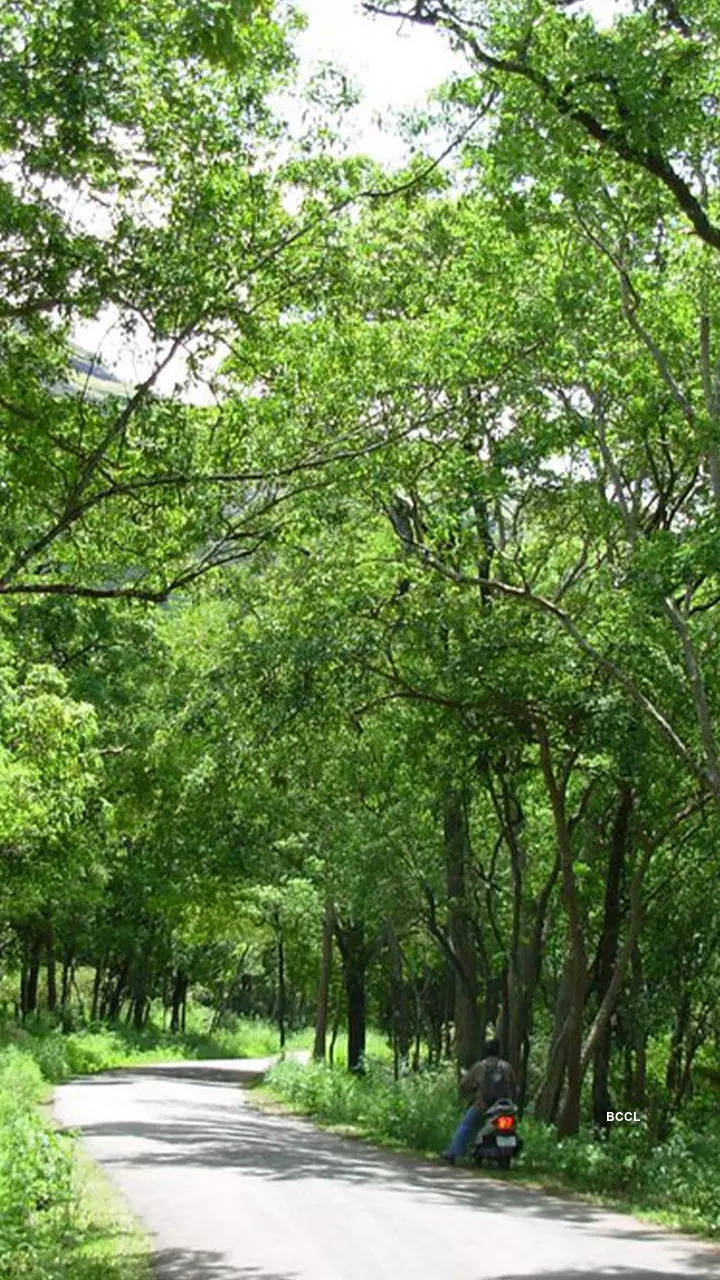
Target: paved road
232, 1194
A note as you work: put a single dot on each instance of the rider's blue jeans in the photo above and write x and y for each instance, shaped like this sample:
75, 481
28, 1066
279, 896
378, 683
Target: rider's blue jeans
467, 1126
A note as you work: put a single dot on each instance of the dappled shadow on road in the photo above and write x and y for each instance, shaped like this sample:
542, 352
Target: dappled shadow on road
191, 1264
229, 1073
232, 1135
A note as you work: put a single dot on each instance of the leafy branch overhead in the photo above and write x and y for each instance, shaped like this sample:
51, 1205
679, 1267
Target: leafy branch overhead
424, 466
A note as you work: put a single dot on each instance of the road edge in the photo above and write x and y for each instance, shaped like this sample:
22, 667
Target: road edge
264, 1098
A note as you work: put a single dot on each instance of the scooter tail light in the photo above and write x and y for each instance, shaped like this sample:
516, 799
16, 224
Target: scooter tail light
503, 1123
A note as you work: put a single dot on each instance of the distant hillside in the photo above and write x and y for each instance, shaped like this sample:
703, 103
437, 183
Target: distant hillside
92, 379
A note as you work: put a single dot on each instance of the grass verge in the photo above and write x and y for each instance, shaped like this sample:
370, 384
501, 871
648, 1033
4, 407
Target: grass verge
59, 1217
107, 1243
88, 1050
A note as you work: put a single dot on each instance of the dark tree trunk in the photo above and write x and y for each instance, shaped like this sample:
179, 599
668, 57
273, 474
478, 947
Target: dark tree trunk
66, 980
178, 995
97, 986
400, 1001
523, 981
568, 1121
51, 968
281, 1005
31, 971
351, 941
673, 1071
323, 991
138, 1007
548, 1096
601, 1100
282, 996
638, 1095
117, 995
356, 1020
607, 953
468, 1023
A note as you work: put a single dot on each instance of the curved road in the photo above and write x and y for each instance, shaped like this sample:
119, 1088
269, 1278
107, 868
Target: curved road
230, 1193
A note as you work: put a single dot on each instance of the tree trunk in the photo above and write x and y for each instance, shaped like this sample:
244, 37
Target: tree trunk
548, 1095
469, 1031
117, 995
31, 971
673, 1072
601, 1100
351, 941
139, 996
97, 985
178, 993
355, 983
638, 1095
400, 1001
66, 980
569, 1116
606, 976
281, 981
51, 968
323, 991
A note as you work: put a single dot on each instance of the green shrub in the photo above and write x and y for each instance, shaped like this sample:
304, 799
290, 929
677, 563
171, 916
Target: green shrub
418, 1111
35, 1171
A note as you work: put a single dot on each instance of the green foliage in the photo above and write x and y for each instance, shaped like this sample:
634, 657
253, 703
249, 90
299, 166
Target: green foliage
58, 1056
453, 689
35, 1173
417, 1111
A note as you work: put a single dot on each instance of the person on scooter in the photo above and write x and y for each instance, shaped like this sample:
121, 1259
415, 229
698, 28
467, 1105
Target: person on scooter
489, 1079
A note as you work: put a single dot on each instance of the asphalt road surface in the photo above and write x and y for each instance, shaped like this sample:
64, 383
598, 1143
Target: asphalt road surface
230, 1193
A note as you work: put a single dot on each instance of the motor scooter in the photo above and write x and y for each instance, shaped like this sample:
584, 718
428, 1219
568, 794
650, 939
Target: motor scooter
498, 1141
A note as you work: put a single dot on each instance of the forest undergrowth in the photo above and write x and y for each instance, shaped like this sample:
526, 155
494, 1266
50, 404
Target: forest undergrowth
59, 1219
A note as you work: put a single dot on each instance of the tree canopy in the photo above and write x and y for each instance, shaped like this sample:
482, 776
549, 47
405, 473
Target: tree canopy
380, 613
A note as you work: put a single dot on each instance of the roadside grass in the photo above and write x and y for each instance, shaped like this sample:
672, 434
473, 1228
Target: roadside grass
675, 1183
107, 1242
99, 1047
59, 1218
94, 1048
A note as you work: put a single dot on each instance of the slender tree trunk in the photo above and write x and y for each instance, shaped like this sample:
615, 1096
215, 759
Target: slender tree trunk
673, 1072
548, 1095
400, 1001
569, 1116
32, 971
66, 980
78, 995
139, 988
323, 992
51, 968
356, 1020
638, 1095
97, 986
351, 941
118, 993
609, 971
334, 1034
178, 994
468, 1024
281, 981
